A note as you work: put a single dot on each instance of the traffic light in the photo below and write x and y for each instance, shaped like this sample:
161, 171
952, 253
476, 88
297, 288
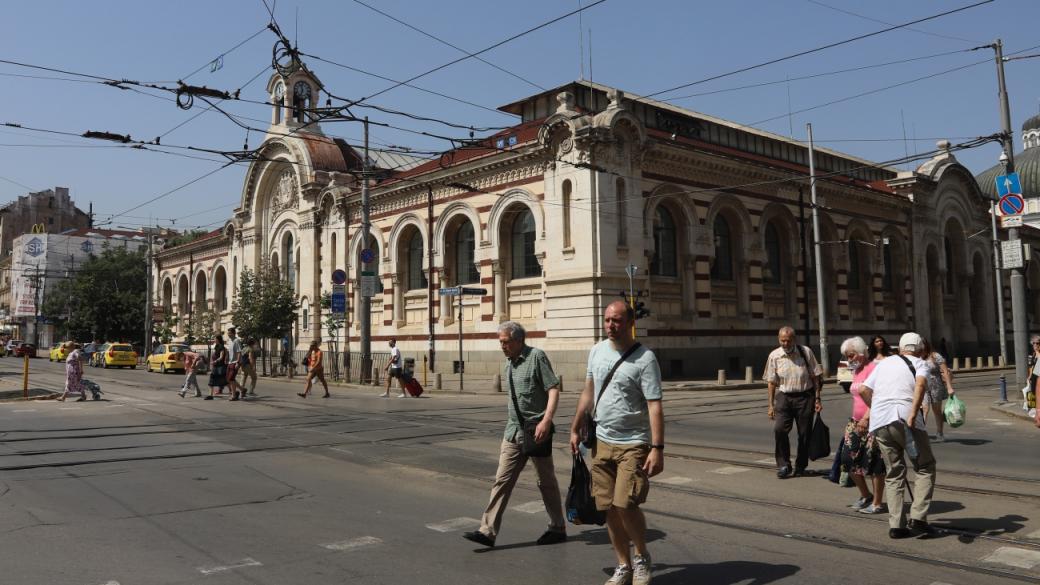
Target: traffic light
641, 310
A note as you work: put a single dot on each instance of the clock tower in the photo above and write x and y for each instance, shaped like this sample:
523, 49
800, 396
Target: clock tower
293, 91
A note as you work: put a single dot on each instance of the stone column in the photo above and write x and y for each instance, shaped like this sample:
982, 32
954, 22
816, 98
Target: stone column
689, 284
447, 316
501, 303
396, 282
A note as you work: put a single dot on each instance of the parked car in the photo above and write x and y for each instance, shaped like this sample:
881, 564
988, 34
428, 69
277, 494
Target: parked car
25, 349
58, 353
164, 359
844, 375
99, 352
119, 355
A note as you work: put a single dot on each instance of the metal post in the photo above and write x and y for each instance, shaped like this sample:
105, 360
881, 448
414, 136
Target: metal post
999, 278
820, 301
191, 284
148, 299
366, 302
803, 252
462, 364
1018, 281
429, 278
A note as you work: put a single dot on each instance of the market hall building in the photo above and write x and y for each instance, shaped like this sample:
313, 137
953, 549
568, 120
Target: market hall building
547, 215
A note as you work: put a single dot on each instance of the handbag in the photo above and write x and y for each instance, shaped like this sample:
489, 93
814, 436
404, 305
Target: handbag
819, 439
589, 440
580, 505
528, 445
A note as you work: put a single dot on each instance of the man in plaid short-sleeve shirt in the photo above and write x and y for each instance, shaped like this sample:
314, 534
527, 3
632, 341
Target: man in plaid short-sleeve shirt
793, 376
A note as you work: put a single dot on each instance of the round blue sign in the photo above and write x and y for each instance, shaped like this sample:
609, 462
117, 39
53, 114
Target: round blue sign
339, 276
367, 255
1011, 204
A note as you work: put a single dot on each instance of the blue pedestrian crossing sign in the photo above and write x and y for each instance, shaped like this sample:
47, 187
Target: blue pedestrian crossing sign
1007, 184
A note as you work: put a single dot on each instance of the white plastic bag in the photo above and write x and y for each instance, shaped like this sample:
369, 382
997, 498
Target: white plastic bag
1025, 397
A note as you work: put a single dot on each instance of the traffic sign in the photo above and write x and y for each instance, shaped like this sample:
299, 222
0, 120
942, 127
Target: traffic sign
474, 291
368, 283
339, 301
1011, 256
367, 255
1011, 221
450, 292
339, 276
1008, 183
1011, 204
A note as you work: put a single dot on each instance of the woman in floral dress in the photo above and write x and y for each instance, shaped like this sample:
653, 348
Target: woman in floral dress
73, 372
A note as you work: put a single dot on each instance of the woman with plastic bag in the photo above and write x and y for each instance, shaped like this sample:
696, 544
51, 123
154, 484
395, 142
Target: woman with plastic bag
861, 456
939, 388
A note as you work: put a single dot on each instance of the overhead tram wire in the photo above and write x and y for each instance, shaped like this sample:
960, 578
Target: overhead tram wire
444, 42
817, 49
242, 87
864, 17
227, 52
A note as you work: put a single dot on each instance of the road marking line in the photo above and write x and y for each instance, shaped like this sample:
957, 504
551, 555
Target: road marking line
674, 480
353, 543
766, 461
1002, 424
246, 562
25, 410
69, 408
454, 524
938, 583
530, 507
729, 470
1014, 557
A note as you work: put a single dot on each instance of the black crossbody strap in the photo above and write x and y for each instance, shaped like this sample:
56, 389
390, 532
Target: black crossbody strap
913, 372
606, 381
805, 358
512, 395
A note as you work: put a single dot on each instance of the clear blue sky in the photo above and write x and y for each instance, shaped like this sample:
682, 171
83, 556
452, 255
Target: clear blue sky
641, 47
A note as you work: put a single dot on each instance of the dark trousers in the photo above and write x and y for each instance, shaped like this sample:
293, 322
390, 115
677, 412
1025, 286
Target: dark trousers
796, 408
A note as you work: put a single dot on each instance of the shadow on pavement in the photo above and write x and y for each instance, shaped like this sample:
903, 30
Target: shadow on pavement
725, 573
968, 442
1006, 524
944, 507
594, 537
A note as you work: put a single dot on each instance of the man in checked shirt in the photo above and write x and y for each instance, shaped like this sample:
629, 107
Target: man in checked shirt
793, 376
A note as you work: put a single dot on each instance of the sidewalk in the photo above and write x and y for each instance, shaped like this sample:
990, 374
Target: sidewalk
1011, 408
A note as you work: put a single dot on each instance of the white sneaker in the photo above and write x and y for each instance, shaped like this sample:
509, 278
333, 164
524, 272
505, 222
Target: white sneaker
622, 576
872, 509
402, 396
641, 570
939, 438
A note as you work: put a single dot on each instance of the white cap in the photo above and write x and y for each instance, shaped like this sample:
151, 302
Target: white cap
910, 341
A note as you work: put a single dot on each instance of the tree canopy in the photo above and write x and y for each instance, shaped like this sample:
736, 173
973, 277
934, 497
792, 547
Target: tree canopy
104, 299
265, 306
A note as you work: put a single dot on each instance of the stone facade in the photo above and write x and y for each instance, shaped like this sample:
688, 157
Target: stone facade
547, 215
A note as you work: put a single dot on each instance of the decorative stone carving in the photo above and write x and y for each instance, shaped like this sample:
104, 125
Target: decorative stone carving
285, 192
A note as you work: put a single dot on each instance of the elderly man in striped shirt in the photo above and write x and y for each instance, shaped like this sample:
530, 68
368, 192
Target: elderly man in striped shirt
793, 376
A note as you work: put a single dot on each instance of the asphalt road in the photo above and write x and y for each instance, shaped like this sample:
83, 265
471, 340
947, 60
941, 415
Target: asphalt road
147, 488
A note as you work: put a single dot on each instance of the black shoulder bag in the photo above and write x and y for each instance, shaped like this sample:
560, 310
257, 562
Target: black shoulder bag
528, 445
589, 440
805, 359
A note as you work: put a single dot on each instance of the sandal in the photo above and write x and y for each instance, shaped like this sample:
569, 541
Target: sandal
301, 395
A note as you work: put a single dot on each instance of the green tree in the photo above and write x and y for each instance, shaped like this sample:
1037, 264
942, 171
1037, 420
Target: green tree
265, 306
202, 326
332, 325
166, 329
104, 299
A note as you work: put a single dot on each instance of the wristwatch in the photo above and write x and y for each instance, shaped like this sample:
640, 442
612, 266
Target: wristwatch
660, 446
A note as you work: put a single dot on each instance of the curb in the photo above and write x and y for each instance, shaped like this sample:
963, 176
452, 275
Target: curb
1012, 409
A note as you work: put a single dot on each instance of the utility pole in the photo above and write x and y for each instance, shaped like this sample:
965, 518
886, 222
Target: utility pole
429, 269
191, 284
803, 252
37, 294
998, 277
366, 301
820, 301
1018, 280
148, 297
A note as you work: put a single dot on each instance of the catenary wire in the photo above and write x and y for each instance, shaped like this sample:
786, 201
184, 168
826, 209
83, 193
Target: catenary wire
864, 17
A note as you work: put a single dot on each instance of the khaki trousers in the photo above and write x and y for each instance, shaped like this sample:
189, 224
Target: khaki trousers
892, 441
511, 461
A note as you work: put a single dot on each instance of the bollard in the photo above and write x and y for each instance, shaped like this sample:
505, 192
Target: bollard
722, 377
25, 377
497, 383
1003, 388
979, 363
437, 381
749, 375
375, 375
1000, 360
989, 361
956, 363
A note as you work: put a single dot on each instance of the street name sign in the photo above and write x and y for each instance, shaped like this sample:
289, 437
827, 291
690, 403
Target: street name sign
1011, 221
474, 291
449, 292
1011, 204
339, 301
368, 283
1008, 183
1011, 254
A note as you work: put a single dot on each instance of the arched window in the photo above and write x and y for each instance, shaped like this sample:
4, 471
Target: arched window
887, 279
525, 265
465, 269
415, 277
567, 214
290, 264
854, 266
948, 249
333, 253
722, 269
220, 289
774, 270
664, 262
620, 211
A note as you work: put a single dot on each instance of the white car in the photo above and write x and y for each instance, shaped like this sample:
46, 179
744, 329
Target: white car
844, 375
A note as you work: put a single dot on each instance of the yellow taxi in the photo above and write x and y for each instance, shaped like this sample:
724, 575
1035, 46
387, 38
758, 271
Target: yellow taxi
58, 353
164, 358
119, 355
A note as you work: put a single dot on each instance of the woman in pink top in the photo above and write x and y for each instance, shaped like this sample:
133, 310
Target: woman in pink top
861, 456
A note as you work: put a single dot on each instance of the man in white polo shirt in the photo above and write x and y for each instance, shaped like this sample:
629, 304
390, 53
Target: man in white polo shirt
894, 392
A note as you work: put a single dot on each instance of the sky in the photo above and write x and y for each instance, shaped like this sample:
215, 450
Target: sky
641, 47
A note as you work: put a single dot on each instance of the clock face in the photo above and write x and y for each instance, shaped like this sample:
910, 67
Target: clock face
279, 92
302, 91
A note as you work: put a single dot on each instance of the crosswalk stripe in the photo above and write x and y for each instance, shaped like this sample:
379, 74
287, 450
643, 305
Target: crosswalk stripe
454, 524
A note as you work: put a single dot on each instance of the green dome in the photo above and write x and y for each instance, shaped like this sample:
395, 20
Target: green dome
1031, 124
1027, 165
